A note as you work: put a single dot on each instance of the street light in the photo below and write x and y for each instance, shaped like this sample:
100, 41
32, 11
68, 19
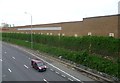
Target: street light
31, 30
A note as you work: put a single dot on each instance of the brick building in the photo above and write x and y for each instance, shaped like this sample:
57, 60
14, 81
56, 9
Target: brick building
100, 26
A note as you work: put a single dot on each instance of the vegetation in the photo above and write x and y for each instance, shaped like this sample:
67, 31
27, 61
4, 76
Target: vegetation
82, 50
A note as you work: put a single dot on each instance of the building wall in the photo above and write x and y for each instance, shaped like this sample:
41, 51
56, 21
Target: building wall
100, 26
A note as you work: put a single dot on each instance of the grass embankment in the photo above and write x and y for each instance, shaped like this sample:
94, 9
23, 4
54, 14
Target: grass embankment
81, 50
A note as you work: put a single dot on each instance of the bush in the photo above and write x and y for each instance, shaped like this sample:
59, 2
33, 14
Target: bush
106, 46
82, 50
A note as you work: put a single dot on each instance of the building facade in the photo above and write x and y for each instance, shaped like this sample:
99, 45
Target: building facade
99, 26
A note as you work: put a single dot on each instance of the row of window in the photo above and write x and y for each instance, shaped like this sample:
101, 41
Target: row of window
59, 34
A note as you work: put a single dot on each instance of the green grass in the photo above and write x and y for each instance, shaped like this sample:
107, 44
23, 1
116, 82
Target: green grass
83, 57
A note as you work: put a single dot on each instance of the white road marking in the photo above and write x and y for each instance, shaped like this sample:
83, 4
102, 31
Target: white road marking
73, 68
63, 76
26, 66
51, 69
9, 70
57, 72
45, 80
5, 52
13, 57
53, 66
29, 58
1, 60
70, 79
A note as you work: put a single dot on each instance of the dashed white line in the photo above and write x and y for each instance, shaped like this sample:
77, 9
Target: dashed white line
70, 79
63, 76
53, 65
26, 66
13, 57
73, 68
9, 70
57, 72
51, 69
45, 80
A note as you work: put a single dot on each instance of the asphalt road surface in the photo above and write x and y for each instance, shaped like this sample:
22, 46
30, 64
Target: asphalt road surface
16, 66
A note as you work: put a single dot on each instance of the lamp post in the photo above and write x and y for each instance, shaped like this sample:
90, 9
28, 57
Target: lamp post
31, 29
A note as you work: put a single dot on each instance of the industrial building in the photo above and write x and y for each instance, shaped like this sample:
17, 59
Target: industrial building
99, 26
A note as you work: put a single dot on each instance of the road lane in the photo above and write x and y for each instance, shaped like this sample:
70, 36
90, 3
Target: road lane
21, 69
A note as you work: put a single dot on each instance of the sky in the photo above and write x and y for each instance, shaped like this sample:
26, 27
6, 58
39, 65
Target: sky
53, 11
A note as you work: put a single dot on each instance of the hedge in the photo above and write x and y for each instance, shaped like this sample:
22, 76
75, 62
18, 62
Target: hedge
80, 57
106, 46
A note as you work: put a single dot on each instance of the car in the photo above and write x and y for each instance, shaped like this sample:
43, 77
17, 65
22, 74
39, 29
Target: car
38, 65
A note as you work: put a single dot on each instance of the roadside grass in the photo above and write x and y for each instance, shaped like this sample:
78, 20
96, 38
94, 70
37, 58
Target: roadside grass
83, 57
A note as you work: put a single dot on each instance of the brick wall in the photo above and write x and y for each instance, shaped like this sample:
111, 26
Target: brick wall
100, 26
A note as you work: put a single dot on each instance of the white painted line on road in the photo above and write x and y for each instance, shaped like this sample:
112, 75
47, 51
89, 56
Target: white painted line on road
9, 70
29, 58
63, 76
57, 72
1, 60
26, 66
51, 69
70, 79
13, 57
5, 52
73, 68
53, 66
45, 80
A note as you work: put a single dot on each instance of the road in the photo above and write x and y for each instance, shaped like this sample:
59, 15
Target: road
16, 67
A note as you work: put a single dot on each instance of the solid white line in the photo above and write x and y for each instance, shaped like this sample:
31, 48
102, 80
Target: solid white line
26, 66
9, 70
45, 80
52, 65
55, 67
1, 60
13, 57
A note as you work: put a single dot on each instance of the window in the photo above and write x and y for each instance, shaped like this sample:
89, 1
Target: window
40, 64
111, 34
58, 34
50, 33
76, 35
47, 33
89, 33
63, 34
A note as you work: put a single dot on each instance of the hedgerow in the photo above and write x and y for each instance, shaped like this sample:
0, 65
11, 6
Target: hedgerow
77, 49
106, 46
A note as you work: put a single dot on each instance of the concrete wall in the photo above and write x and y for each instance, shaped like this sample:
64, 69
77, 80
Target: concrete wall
100, 26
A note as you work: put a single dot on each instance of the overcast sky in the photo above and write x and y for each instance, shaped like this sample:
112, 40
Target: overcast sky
52, 11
